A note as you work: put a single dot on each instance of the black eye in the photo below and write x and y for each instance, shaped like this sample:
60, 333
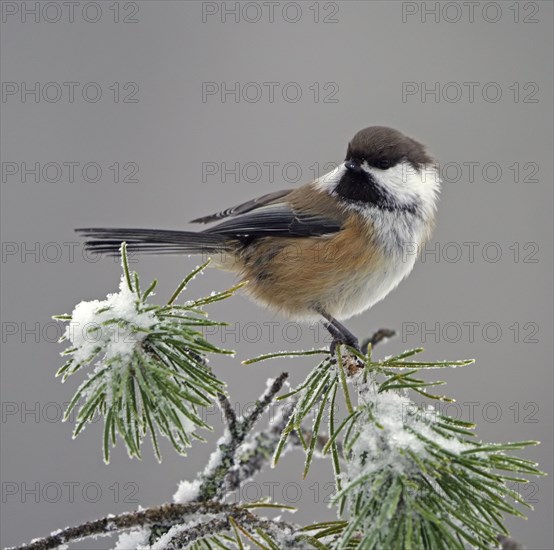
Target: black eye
384, 164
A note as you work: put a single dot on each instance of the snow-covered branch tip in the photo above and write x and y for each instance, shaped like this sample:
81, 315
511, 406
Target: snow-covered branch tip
407, 476
147, 364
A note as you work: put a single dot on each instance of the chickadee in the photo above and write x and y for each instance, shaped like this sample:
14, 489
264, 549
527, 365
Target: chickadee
331, 248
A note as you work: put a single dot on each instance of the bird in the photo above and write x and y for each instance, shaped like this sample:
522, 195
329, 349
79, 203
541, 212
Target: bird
327, 250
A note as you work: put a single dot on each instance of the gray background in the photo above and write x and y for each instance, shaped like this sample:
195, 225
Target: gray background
369, 52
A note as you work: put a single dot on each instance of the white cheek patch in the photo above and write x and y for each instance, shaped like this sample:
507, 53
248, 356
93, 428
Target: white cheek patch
403, 182
408, 185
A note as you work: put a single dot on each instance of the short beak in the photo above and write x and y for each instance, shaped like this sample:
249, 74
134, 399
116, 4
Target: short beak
352, 165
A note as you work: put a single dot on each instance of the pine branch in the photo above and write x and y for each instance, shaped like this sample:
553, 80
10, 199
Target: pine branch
403, 479
167, 514
213, 482
147, 364
416, 479
265, 443
183, 537
409, 481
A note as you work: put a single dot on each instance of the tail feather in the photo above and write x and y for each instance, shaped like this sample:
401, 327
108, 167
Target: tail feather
105, 240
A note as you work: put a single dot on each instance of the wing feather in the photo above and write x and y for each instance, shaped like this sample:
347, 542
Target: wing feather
278, 220
244, 207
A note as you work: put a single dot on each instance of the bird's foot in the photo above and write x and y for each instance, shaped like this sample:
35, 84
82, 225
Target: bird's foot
341, 339
343, 336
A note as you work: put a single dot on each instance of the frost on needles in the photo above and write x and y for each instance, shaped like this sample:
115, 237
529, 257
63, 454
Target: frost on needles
405, 476
148, 370
417, 479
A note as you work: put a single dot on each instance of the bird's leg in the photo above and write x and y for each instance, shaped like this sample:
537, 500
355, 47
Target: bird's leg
346, 337
337, 337
340, 334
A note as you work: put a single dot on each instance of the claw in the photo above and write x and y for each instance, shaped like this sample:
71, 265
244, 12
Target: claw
352, 342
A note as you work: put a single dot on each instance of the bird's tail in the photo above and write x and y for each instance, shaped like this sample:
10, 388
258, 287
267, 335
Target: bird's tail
152, 241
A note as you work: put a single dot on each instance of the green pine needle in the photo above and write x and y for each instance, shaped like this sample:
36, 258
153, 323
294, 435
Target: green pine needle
149, 368
414, 480
407, 478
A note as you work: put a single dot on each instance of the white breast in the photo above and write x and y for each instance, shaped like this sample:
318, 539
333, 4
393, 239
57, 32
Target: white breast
401, 235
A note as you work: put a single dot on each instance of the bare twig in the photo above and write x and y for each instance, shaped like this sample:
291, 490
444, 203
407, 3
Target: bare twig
228, 412
379, 336
213, 481
262, 448
260, 452
509, 543
264, 401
